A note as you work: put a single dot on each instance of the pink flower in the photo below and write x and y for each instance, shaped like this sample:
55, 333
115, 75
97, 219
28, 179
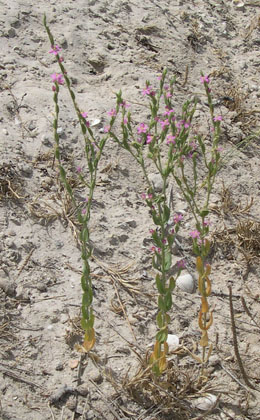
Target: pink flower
168, 95
194, 234
84, 115
153, 249
125, 121
58, 78
177, 218
159, 77
150, 196
61, 59
206, 223
112, 112
218, 118
107, 129
148, 91
168, 111
125, 105
151, 231
53, 88
170, 139
142, 128
181, 264
143, 196
79, 169
84, 211
164, 123
204, 79
149, 138
55, 49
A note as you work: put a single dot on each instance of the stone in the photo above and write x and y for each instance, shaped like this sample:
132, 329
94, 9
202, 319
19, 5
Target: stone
157, 182
8, 286
83, 389
11, 33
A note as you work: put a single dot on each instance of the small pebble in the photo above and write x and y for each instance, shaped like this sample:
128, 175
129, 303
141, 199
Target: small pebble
11, 33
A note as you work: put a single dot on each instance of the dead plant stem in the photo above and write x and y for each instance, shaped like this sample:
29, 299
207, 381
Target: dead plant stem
237, 354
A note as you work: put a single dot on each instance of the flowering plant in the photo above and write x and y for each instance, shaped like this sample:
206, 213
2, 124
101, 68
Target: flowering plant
167, 140
169, 143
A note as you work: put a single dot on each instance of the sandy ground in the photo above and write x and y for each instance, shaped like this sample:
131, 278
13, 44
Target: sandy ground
108, 46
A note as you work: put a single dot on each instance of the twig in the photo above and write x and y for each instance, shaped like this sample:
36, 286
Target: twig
62, 412
19, 378
82, 357
186, 76
107, 403
26, 261
248, 312
123, 308
233, 377
238, 357
52, 415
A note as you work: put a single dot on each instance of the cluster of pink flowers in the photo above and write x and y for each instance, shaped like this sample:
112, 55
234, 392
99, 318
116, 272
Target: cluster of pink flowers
177, 218
181, 123
204, 79
55, 49
112, 112
148, 91
155, 249
170, 139
195, 234
57, 78
169, 112
84, 115
142, 128
145, 196
181, 264
164, 123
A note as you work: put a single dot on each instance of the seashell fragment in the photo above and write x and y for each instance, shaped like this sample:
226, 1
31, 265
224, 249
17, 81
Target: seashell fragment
95, 122
186, 283
173, 342
205, 403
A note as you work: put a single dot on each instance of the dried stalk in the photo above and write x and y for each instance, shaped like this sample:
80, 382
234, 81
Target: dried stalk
238, 357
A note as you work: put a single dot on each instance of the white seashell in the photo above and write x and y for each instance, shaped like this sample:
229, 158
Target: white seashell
173, 342
95, 122
186, 283
205, 403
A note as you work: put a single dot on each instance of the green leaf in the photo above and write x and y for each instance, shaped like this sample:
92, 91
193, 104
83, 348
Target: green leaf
204, 213
170, 239
162, 335
84, 324
87, 297
161, 304
166, 214
168, 260
159, 284
155, 263
159, 319
156, 219
172, 284
157, 239
84, 235
168, 300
